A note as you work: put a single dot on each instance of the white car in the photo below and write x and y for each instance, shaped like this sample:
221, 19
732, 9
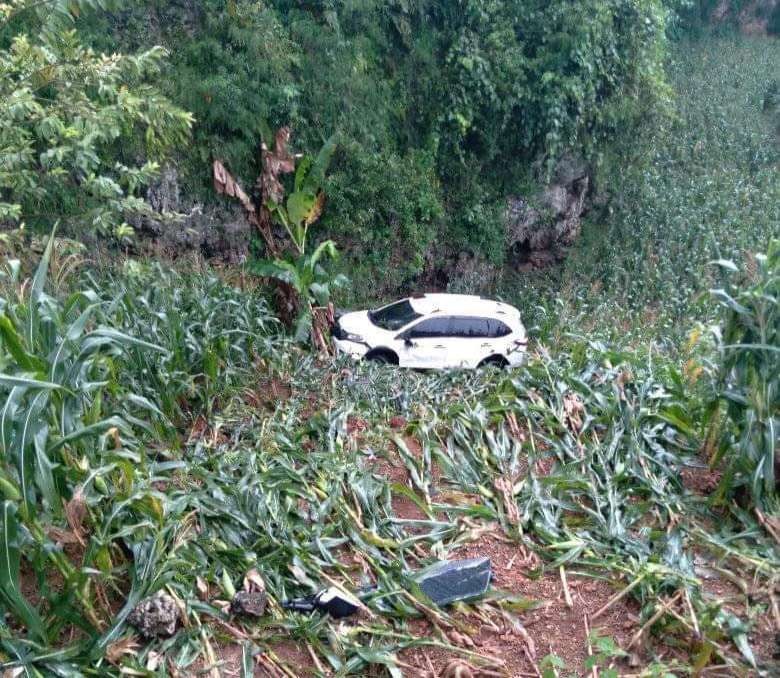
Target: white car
435, 331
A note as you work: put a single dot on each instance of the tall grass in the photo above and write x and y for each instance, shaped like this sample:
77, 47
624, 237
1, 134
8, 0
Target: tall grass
702, 186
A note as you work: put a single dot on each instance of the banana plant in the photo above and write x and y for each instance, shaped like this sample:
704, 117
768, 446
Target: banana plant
304, 274
304, 205
310, 280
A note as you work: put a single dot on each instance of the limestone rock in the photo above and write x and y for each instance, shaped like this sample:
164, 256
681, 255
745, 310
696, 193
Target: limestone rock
219, 231
540, 228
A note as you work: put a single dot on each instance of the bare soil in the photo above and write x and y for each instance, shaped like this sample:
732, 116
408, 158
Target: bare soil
552, 627
556, 622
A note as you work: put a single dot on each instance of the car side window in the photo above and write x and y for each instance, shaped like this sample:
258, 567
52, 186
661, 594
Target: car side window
497, 328
469, 328
433, 327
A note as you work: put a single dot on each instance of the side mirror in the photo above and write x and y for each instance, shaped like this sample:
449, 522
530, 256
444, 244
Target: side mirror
408, 341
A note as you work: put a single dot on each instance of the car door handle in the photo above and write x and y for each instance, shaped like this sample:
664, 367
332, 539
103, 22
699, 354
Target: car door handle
440, 346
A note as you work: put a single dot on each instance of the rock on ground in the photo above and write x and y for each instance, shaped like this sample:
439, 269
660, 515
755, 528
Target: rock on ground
155, 616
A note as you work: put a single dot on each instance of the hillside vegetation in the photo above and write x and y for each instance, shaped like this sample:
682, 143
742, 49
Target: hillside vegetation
441, 109
163, 433
700, 188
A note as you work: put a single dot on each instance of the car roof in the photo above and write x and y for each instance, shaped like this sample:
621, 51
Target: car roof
461, 304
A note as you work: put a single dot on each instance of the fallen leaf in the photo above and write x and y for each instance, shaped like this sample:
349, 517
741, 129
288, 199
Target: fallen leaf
120, 648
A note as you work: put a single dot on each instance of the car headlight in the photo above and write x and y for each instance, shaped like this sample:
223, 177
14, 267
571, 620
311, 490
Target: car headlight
340, 333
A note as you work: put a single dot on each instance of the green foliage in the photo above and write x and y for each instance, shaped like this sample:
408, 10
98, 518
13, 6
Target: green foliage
692, 18
311, 281
749, 379
530, 77
703, 187
72, 124
207, 332
155, 433
230, 65
62, 438
385, 212
448, 99
772, 104
155, 415
605, 650
81, 401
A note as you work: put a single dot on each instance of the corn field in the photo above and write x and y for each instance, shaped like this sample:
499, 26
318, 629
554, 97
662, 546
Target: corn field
159, 433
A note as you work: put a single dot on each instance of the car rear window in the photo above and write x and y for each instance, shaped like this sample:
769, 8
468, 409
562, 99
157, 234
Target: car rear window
395, 316
498, 328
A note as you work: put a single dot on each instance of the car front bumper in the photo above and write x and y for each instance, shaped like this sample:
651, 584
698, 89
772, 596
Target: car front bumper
350, 348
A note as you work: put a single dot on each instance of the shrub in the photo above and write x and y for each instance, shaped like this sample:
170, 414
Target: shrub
385, 210
73, 124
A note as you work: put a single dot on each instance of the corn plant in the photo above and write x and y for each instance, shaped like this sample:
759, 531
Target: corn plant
80, 400
749, 380
210, 332
64, 439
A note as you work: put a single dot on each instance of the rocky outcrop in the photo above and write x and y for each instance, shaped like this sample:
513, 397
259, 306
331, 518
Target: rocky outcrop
471, 274
756, 17
216, 231
540, 228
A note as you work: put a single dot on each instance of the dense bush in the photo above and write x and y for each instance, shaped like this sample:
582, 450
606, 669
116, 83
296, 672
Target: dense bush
384, 210
74, 123
460, 95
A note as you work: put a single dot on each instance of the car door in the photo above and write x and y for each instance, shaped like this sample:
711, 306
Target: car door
424, 344
470, 341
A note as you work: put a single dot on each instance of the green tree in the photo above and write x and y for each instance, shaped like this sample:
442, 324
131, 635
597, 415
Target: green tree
80, 132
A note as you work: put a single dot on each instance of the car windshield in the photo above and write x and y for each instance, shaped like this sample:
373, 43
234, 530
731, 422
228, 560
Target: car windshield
395, 316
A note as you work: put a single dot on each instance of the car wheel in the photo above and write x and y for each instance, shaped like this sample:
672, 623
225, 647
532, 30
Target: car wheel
382, 357
495, 361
